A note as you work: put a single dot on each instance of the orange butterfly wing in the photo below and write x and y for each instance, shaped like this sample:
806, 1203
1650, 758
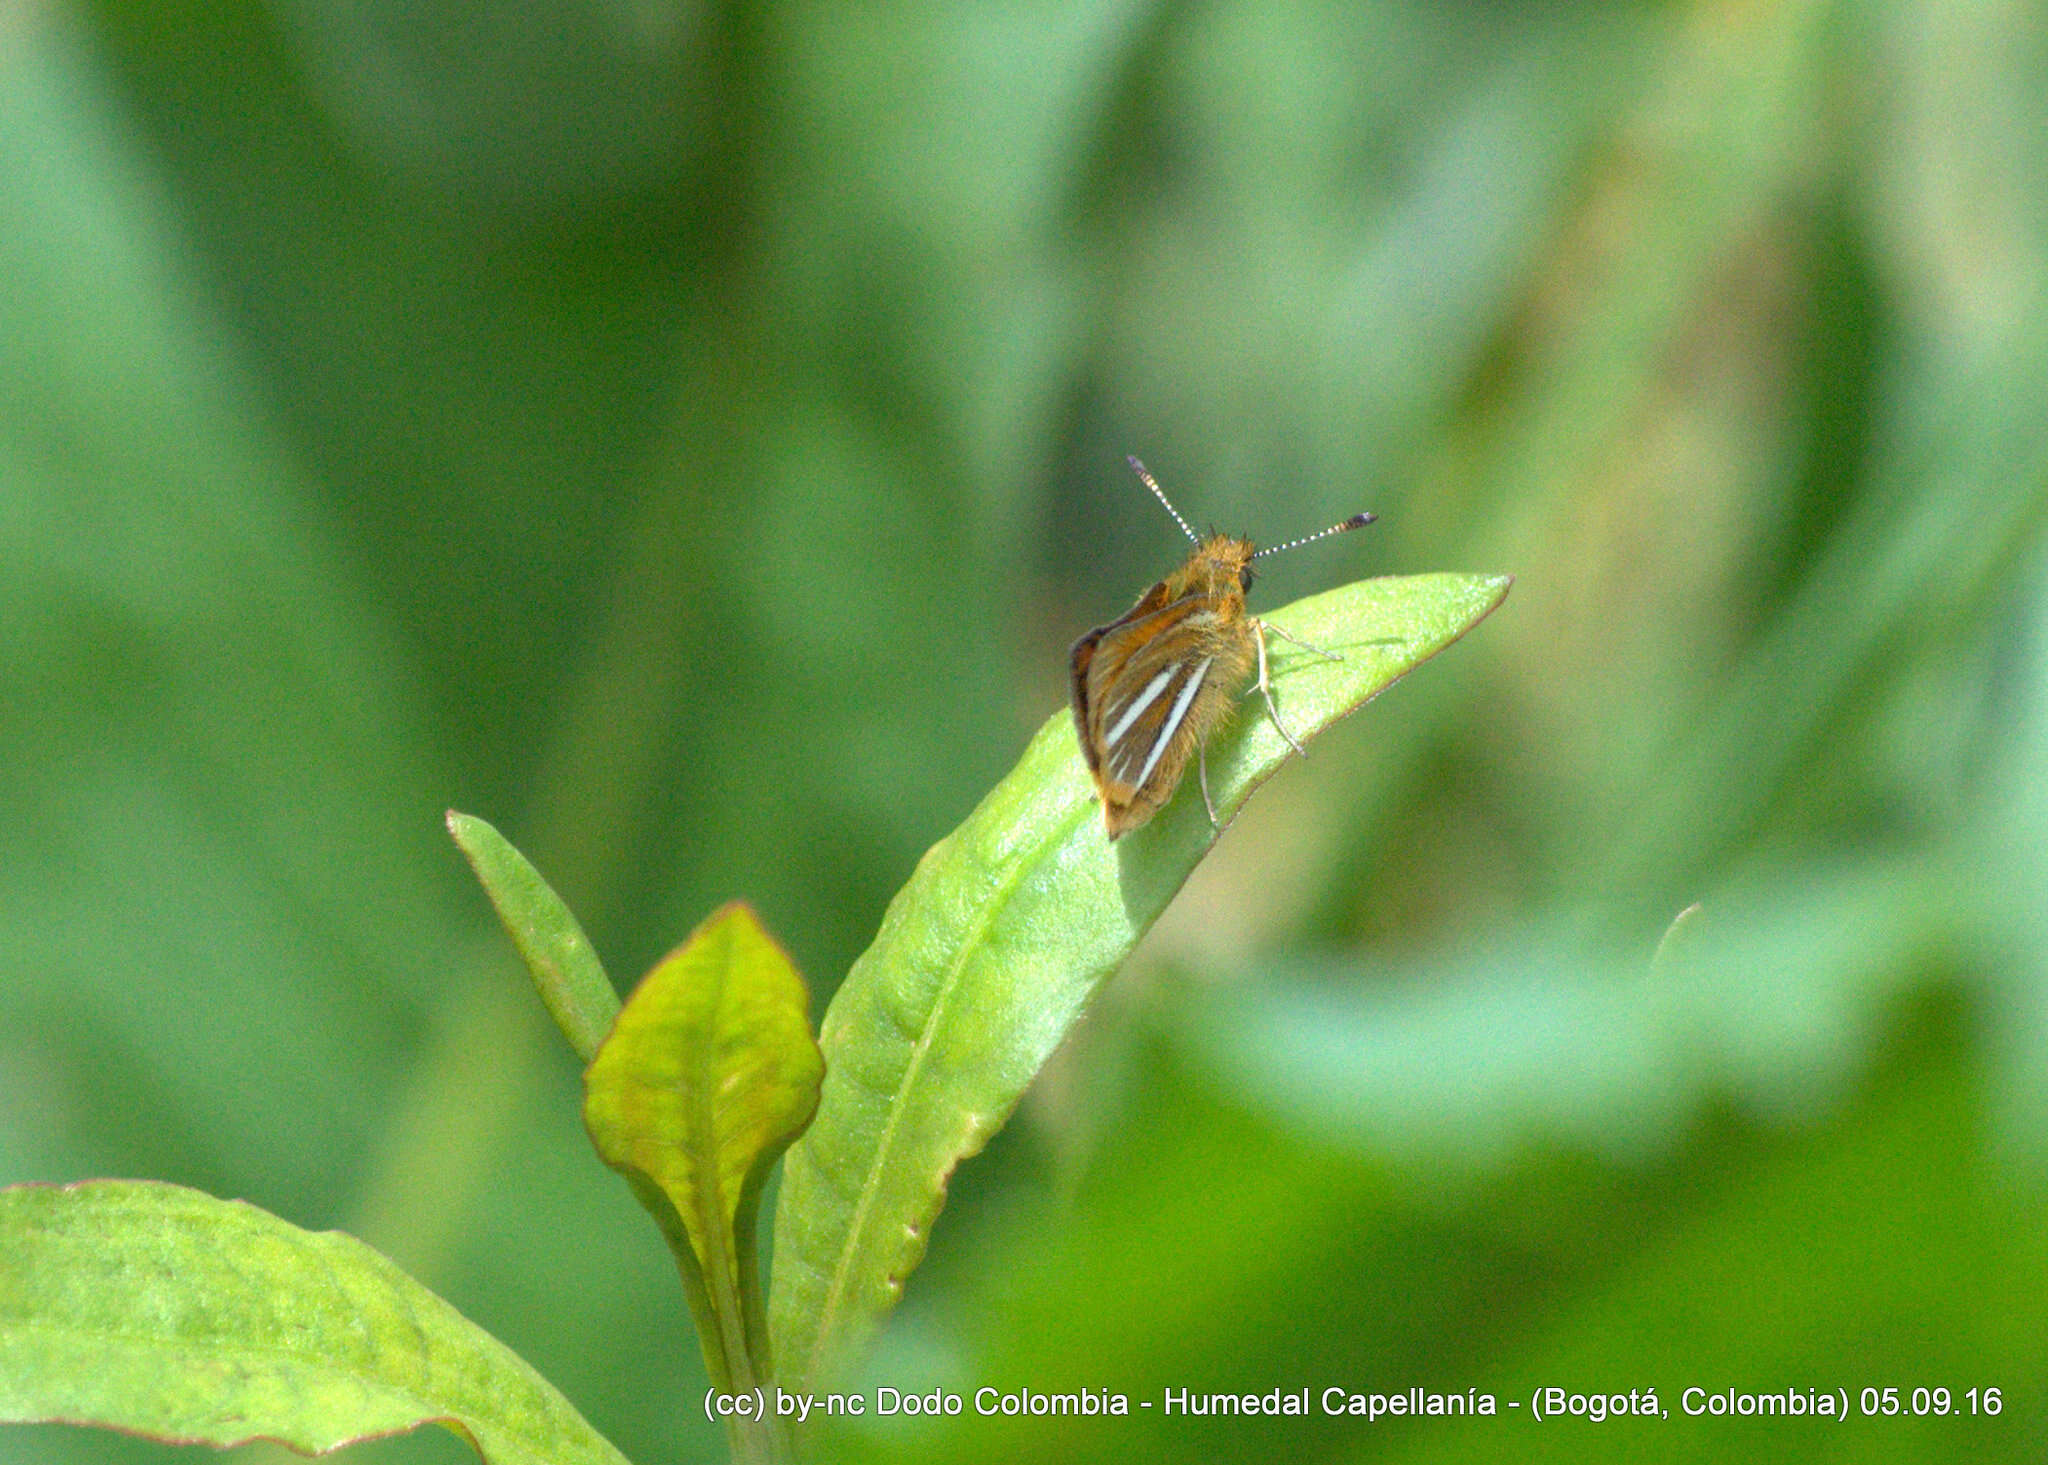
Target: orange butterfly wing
1147, 688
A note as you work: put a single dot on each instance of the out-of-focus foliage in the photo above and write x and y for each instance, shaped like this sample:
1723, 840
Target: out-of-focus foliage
689, 437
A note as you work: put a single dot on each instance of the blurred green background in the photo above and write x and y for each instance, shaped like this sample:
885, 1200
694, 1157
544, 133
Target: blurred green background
689, 438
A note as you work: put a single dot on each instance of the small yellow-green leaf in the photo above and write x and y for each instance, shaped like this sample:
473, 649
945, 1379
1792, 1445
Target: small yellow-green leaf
564, 965
706, 1077
163, 1312
986, 958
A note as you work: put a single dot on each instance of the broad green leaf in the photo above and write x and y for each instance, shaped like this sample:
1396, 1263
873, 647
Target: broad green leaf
564, 964
990, 953
707, 1076
164, 1312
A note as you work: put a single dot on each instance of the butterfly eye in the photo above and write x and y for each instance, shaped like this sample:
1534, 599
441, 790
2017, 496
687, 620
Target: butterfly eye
1244, 578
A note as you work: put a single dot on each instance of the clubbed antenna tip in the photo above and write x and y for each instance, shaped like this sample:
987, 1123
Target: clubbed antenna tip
1356, 521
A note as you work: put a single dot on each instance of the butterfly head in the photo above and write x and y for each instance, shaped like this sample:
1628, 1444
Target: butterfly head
1220, 571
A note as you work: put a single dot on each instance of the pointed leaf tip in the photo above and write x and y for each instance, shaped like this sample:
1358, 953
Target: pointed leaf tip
563, 964
1005, 931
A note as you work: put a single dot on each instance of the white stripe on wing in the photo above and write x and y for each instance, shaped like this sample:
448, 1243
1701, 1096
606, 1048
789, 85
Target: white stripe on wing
1137, 705
1174, 715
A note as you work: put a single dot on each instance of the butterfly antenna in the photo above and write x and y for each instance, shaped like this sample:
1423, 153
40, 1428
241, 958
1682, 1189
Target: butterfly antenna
1356, 521
1159, 493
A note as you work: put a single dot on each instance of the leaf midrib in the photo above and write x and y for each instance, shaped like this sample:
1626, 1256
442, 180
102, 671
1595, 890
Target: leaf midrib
836, 1285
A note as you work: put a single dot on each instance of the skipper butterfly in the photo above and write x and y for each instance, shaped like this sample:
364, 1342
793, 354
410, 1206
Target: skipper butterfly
1151, 686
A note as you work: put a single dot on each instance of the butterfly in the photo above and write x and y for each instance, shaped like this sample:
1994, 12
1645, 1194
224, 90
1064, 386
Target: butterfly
1150, 686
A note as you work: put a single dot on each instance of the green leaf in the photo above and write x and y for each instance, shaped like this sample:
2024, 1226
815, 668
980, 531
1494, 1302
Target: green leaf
564, 964
990, 953
164, 1312
707, 1076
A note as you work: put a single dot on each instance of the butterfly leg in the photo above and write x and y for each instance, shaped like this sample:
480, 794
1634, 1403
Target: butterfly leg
1326, 655
1266, 686
1202, 768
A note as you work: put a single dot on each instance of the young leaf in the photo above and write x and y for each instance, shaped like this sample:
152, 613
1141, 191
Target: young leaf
707, 1076
163, 1312
564, 966
988, 955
